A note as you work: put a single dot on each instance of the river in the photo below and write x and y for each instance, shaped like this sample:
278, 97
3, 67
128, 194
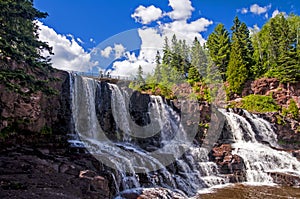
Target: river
243, 191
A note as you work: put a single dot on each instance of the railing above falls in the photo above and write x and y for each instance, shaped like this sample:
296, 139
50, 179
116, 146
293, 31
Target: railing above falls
105, 77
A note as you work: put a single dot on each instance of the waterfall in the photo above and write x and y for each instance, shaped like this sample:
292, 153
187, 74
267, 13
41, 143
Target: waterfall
162, 161
146, 142
259, 158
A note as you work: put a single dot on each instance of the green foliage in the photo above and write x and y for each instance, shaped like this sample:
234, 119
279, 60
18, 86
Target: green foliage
276, 49
218, 44
240, 61
18, 32
259, 103
193, 75
15, 80
293, 109
199, 58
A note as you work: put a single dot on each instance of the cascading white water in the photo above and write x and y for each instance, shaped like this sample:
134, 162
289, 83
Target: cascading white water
259, 158
188, 173
127, 157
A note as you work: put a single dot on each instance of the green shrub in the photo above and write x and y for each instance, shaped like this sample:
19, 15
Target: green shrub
293, 109
259, 103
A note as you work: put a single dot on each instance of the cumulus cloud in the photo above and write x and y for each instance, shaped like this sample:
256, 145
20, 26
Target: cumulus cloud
182, 9
118, 51
146, 15
258, 10
68, 54
106, 52
153, 38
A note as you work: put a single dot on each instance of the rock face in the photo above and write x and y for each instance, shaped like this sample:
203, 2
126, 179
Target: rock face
231, 165
31, 107
285, 179
43, 173
282, 93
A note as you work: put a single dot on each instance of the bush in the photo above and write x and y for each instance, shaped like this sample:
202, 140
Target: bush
259, 103
293, 109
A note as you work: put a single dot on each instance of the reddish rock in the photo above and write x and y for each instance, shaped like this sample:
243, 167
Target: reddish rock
282, 93
230, 165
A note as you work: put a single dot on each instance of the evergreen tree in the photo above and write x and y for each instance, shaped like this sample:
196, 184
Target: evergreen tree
184, 53
139, 78
237, 72
239, 63
193, 75
18, 30
167, 52
157, 71
176, 58
199, 58
276, 49
218, 44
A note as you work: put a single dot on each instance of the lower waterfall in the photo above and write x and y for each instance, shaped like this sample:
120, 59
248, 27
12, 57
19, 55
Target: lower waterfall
142, 138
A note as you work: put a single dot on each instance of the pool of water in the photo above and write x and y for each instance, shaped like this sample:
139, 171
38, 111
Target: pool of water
243, 191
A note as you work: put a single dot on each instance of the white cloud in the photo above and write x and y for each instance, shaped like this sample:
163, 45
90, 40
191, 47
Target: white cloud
182, 9
276, 12
151, 42
107, 51
254, 29
187, 31
153, 38
80, 41
68, 54
146, 15
258, 10
119, 50
243, 10
128, 68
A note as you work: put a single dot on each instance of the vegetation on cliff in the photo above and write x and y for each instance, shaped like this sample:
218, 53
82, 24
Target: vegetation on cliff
234, 57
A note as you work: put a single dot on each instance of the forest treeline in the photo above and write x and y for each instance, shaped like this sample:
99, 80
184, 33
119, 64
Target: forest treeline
238, 54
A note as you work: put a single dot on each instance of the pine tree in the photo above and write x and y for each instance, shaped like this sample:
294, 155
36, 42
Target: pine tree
166, 52
140, 79
199, 58
176, 58
239, 63
18, 30
237, 72
157, 71
193, 75
218, 44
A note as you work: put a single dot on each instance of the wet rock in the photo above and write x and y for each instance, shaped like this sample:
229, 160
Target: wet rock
229, 164
285, 179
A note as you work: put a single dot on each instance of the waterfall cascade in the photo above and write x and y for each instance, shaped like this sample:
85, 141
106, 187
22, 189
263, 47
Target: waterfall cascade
153, 153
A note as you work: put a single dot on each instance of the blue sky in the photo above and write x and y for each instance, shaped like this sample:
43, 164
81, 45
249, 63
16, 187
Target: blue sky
76, 28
